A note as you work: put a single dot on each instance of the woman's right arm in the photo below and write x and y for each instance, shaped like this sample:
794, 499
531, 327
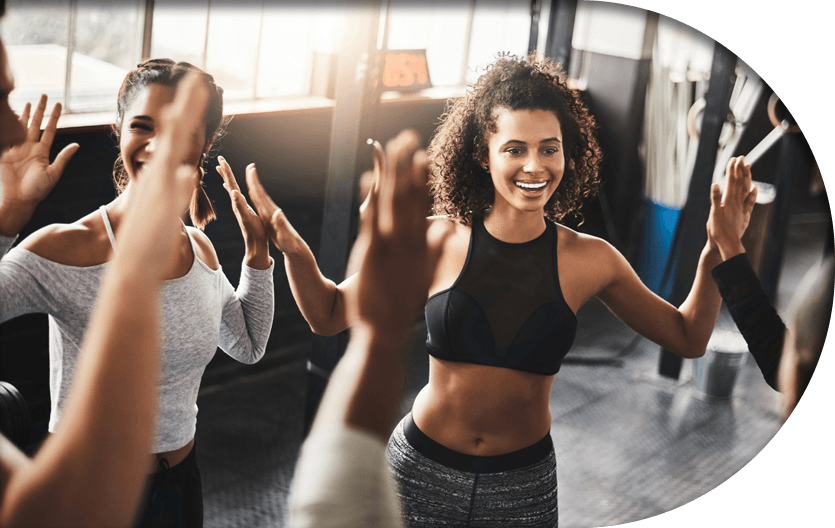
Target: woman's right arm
26, 178
22, 289
321, 301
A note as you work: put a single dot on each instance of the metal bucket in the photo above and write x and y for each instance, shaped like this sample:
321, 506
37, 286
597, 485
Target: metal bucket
714, 374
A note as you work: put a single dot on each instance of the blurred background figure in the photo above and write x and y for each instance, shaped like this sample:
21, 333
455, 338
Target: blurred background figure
92, 470
342, 477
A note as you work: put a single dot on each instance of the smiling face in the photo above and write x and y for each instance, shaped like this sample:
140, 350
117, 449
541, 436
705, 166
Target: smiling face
525, 158
139, 130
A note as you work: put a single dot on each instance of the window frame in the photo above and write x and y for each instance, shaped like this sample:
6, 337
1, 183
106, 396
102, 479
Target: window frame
74, 121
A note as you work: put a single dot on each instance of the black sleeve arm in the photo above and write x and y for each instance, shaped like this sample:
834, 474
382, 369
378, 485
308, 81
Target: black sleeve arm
753, 313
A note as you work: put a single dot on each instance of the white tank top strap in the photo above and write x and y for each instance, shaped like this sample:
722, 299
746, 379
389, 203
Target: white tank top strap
107, 227
191, 241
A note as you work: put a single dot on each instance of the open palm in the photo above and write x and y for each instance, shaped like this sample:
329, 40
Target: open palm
26, 175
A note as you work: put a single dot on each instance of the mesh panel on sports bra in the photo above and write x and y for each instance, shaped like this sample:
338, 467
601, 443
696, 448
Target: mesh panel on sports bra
506, 309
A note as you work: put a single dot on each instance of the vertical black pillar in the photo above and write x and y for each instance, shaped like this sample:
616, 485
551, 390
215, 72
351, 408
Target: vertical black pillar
690, 236
561, 31
794, 156
536, 9
356, 100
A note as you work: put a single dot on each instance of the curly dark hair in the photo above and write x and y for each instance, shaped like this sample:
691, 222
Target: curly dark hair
461, 188
166, 72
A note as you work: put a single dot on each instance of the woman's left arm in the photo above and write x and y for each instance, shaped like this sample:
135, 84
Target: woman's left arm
247, 316
248, 311
685, 330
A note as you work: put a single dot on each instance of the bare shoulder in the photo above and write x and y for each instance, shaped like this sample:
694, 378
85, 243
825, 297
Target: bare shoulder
205, 249
588, 254
582, 245
587, 265
82, 243
444, 230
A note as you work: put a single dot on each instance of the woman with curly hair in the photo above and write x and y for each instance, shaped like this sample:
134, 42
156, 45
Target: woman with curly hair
507, 163
58, 270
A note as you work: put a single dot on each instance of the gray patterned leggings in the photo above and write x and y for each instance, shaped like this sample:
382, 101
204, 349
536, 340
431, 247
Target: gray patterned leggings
442, 487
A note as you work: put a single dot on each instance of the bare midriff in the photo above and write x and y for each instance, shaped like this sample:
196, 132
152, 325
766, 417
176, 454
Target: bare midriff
482, 410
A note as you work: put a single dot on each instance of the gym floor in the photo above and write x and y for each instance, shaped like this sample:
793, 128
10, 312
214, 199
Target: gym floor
630, 444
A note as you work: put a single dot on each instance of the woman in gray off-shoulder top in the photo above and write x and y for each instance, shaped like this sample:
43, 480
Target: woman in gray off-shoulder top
57, 270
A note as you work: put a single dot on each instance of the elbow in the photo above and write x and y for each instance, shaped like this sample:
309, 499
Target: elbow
694, 353
689, 350
255, 355
323, 328
327, 324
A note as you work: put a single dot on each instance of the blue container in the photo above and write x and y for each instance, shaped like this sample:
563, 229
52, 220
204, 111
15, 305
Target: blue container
657, 231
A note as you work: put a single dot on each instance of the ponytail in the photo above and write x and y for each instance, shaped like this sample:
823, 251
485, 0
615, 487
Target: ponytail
200, 210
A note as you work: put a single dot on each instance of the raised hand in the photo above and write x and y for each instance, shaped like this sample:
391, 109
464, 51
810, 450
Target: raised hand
379, 168
394, 267
279, 229
252, 228
26, 176
730, 212
152, 225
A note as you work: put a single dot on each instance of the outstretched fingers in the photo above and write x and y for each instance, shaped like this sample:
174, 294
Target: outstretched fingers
379, 168
34, 130
185, 114
264, 205
229, 181
51, 126
737, 184
417, 191
397, 184
24, 116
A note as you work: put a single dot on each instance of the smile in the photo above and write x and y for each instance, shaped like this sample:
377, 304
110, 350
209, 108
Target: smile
532, 186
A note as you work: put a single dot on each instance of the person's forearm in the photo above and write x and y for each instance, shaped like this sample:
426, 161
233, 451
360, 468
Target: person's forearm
753, 314
701, 308
14, 217
247, 316
91, 470
318, 298
257, 255
365, 389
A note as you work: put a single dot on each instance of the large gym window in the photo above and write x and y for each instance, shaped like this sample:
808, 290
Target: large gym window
78, 51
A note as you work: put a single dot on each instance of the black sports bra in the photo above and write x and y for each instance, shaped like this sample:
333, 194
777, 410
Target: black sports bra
506, 308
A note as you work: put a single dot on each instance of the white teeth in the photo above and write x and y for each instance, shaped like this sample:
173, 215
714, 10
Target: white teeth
530, 185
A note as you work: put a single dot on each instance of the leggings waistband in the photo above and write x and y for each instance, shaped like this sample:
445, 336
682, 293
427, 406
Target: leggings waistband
474, 463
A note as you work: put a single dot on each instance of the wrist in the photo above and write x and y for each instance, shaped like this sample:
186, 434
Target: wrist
257, 256
13, 217
729, 249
